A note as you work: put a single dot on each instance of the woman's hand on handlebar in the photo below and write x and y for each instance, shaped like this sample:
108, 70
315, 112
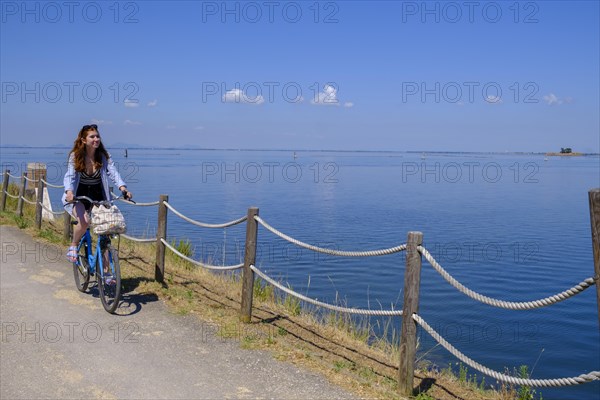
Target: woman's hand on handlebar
127, 195
69, 196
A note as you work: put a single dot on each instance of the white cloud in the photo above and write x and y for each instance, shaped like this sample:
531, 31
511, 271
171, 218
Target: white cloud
552, 99
153, 103
348, 104
101, 122
131, 103
493, 99
328, 97
238, 96
131, 123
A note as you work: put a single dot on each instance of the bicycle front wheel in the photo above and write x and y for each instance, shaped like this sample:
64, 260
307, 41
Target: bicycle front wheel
81, 268
109, 283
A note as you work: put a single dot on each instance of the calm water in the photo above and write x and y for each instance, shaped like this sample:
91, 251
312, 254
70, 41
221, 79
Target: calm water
510, 227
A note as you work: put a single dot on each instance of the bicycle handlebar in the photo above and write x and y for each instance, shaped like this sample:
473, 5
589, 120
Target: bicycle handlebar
105, 203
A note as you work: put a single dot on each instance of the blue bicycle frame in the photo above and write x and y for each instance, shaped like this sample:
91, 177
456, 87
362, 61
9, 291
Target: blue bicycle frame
95, 256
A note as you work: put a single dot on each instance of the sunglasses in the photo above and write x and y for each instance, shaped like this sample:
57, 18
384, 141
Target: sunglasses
90, 127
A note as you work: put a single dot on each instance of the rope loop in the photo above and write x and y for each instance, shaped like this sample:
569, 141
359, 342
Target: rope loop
320, 303
202, 224
511, 305
214, 267
583, 378
340, 253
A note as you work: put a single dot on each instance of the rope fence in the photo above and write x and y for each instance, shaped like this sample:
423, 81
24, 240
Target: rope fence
139, 240
207, 266
511, 305
340, 253
584, 378
31, 180
51, 185
414, 251
320, 303
203, 224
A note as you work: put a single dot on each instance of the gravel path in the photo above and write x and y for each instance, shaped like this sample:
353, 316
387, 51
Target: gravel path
59, 343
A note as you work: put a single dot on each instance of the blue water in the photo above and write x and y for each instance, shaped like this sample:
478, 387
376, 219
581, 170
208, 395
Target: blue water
512, 227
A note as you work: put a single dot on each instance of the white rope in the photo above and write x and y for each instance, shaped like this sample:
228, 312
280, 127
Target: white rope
368, 253
230, 267
11, 196
53, 186
141, 240
50, 211
202, 224
511, 305
33, 203
320, 303
31, 180
583, 378
13, 176
154, 203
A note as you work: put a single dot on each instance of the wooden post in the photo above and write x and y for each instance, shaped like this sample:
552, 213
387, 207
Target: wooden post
4, 190
38, 204
161, 233
21, 194
408, 338
249, 259
594, 197
67, 227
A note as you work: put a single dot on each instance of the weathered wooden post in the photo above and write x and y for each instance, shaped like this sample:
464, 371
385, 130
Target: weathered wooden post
4, 190
408, 338
249, 259
38, 204
161, 233
594, 197
21, 194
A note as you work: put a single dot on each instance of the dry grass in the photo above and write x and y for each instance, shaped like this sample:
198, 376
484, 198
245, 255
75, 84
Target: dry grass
342, 349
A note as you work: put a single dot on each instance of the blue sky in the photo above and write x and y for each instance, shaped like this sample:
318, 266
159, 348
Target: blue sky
414, 76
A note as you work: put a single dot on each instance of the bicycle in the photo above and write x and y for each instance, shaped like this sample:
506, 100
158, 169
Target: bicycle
90, 262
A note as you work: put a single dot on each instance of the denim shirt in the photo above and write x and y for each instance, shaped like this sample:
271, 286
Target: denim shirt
108, 170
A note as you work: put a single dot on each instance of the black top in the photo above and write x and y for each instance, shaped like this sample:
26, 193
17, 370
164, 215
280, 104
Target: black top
90, 186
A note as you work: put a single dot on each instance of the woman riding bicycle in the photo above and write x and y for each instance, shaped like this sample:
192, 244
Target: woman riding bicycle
88, 172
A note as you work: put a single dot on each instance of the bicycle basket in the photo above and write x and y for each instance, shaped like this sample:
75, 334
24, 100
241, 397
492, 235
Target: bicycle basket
107, 221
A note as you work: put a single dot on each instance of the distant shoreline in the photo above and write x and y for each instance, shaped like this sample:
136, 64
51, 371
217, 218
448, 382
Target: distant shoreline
565, 154
317, 150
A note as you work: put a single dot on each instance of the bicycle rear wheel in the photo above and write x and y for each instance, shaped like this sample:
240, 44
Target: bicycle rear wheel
110, 287
81, 268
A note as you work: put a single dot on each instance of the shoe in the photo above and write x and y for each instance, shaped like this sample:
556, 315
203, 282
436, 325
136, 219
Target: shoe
72, 254
109, 280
